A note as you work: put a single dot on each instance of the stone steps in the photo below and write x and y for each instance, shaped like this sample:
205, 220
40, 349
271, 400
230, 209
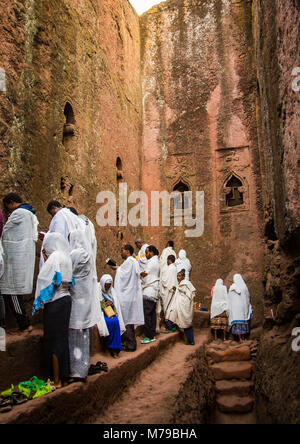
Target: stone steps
232, 367
237, 388
235, 404
232, 370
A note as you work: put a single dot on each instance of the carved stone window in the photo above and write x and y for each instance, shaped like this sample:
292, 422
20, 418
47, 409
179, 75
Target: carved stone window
182, 202
234, 192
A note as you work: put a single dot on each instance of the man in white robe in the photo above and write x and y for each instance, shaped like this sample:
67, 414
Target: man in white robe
180, 310
129, 291
64, 221
19, 252
168, 281
150, 289
141, 257
168, 251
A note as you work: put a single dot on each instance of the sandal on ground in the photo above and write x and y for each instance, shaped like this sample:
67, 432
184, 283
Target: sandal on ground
6, 404
147, 341
103, 366
18, 398
8, 392
42, 391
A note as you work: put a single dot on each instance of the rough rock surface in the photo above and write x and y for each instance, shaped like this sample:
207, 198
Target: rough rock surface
232, 370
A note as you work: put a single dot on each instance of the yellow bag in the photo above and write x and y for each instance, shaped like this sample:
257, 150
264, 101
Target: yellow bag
108, 310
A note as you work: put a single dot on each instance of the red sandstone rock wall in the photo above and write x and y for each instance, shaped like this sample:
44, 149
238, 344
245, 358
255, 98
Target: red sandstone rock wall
86, 53
199, 93
277, 39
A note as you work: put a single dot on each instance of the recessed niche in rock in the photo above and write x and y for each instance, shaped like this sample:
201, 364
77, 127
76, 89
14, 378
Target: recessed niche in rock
69, 125
183, 201
119, 167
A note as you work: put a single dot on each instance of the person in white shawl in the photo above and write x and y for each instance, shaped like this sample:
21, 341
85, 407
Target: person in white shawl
19, 252
150, 290
53, 295
219, 308
115, 323
129, 291
141, 257
63, 221
240, 309
168, 282
163, 260
180, 309
85, 311
183, 263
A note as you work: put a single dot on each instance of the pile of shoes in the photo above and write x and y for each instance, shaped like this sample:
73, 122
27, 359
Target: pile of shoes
98, 368
23, 392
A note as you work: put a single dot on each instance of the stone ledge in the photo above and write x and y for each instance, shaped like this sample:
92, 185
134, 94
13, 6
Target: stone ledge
78, 402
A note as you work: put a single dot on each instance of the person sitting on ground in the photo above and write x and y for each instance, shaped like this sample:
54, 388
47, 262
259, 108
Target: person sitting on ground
129, 291
180, 311
114, 321
53, 296
168, 281
219, 309
183, 263
150, 289
19, 239
240, 309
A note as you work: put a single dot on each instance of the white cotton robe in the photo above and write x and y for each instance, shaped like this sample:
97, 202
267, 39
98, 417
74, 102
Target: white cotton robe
142, 259
129, 291
90, 235
64, 222
86, 311
220, 300
168, 281
183, 263
181, 307
150, 283
240, 308
19, 251
163, 260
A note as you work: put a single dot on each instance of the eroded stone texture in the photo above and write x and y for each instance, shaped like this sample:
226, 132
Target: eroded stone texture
85, 54
199, 92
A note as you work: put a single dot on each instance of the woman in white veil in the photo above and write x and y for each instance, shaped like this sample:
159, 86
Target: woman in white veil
219, 308
240, 309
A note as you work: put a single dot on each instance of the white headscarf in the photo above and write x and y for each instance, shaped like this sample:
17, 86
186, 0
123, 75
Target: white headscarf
111, 294
240, 309
220, 299
183, 263
56, 270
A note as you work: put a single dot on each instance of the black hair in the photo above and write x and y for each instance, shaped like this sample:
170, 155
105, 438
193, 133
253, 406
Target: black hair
12, 197
182, 272
153, 249
52, 204
172, 258
129, 248
171, 244
74, 211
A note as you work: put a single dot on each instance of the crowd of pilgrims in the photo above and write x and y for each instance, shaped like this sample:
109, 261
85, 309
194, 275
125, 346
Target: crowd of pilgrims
149, 290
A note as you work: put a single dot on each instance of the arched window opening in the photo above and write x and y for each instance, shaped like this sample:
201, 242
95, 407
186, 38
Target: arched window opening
182, 202
119, 167
234, 192
69, 125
